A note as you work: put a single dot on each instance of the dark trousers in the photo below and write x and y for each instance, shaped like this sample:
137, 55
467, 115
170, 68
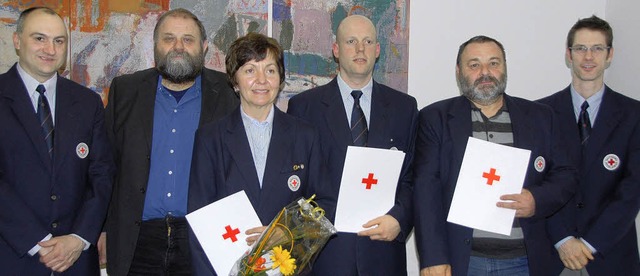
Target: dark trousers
162, 248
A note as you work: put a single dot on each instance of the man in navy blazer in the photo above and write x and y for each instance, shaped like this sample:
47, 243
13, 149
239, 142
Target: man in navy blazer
55, 181
391, 117
484, 111
596, 229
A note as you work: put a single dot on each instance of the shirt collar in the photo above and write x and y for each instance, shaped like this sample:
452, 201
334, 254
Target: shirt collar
248, 119
503, 108
31, 83
192, 92
345, 90
594, 101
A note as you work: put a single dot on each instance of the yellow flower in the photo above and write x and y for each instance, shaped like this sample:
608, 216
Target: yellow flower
282, 258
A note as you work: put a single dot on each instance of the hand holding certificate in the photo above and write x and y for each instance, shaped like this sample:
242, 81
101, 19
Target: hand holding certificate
220, 228
368, 186
488, 172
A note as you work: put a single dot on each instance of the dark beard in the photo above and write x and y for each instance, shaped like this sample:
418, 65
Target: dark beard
482, 95
182, 70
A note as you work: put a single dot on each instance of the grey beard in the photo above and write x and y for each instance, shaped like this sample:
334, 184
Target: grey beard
180, 71
484, 96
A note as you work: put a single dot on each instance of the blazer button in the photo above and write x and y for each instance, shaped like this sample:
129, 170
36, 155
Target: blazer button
580, 205
54, 225
137, 223
142, 190
54, 197
467, 241
148, 157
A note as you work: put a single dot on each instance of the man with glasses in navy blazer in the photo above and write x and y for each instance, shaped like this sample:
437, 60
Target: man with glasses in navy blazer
595, 232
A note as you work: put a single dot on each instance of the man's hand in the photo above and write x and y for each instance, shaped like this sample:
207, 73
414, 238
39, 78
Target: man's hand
387, 228
253, 234
523, 203
574, 254
102, 248
44, 250
64, 253
436, 270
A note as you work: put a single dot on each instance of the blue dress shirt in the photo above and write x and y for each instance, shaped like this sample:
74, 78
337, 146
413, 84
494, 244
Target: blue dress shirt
174, 127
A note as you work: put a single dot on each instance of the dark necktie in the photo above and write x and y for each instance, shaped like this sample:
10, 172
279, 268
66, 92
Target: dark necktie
359, 132
584, 124
46, 121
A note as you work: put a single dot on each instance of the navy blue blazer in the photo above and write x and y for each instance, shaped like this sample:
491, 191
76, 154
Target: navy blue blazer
393, 124
39, 195
223, 165
607, 201
443, 132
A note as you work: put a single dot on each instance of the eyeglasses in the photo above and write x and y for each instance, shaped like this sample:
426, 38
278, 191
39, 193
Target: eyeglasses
595, 49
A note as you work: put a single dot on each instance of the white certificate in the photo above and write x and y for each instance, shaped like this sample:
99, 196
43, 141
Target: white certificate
368, 186
220, 228
488, 171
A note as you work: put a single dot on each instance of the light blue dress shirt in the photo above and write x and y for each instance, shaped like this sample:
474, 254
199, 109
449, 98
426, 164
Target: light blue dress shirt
259, 136
365, 99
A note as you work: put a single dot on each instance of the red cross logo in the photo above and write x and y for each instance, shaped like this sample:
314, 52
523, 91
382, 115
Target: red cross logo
294, 182
611, 162
231, 233
540, 163
82, 150
369, 181
491, 176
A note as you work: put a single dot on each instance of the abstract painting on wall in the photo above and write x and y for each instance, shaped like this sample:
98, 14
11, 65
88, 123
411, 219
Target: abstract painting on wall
114, 37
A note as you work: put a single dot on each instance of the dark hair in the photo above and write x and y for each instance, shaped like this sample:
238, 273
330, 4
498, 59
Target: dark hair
23, 16
253, 46
479, 39
180, 13
593, 23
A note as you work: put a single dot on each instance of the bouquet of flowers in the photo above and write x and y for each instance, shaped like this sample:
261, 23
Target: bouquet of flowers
289, 242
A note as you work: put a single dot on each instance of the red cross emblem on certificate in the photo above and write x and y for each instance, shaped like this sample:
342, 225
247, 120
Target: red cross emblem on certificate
231, 233
491, 176
369, 181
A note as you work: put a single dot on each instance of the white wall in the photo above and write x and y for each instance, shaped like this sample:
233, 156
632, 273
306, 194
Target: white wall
625, 69
533, 34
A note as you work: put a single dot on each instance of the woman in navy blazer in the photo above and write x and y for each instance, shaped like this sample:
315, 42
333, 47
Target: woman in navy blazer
235, 153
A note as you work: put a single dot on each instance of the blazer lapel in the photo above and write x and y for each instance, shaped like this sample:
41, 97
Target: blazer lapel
379, 118
282, 142
146, 93
568, 125
608, 119
520, 126
335, 116
209, 97
240, 151
460, 127
22, 107
65, 127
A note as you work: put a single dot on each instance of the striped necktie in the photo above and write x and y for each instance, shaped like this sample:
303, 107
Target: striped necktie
46, 121
584, 123
359, 131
